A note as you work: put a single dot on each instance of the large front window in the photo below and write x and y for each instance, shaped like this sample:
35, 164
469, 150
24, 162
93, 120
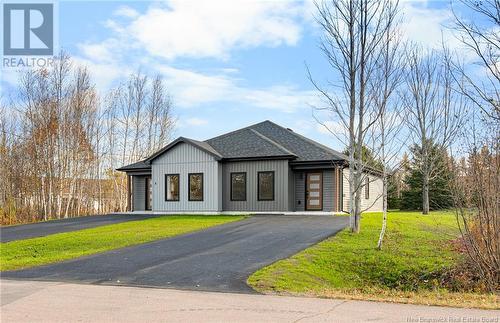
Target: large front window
172, 187
265, 186
238, 186
196, 187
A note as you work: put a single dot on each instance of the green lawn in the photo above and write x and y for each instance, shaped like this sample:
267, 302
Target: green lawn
69, 245
418, 250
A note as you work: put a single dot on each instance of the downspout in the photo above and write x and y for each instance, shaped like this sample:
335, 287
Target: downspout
341, 190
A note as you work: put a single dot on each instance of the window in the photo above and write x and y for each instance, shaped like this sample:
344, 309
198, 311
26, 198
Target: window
265, 186
172, 187
238, 186
367, 187
196, 187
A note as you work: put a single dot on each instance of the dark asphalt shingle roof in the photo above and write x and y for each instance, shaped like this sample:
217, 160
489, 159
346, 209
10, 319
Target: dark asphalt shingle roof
135, 166
247, 143
306, 149
264, 139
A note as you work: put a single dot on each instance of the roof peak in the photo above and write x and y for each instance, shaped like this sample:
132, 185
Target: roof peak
272, 142
240, 129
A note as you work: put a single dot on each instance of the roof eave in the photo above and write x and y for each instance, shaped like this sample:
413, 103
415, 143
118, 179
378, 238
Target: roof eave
255, 158
125, 169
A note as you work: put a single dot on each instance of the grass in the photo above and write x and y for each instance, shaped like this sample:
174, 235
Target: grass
63, 246
418, 250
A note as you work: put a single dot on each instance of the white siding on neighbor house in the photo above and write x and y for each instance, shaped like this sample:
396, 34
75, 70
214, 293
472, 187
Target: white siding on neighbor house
183, 159
281, 189
374, 203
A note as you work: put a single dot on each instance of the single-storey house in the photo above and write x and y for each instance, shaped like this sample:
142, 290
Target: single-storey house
260, 168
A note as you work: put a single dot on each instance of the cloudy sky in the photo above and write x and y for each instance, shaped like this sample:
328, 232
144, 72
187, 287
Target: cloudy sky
227, 64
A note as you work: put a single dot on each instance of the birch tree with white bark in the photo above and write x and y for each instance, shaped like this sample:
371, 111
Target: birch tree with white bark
59, 148
353, 34
389, 136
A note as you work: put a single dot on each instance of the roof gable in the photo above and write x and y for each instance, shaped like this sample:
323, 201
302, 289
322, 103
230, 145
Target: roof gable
198, 144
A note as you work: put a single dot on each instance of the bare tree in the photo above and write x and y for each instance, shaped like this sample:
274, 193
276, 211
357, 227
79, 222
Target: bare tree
435, 112
389, 139
477, 178
479, 33
354, 31
477, 199
140, 114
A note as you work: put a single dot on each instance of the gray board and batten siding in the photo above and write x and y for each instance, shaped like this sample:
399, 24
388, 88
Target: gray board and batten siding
139, 193
251, 168
184, 159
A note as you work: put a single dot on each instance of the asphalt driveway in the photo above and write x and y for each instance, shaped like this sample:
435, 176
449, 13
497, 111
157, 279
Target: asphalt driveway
217, 259
40, 229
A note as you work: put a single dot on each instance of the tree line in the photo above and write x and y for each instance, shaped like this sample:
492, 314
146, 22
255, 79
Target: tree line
61, 141
388, 95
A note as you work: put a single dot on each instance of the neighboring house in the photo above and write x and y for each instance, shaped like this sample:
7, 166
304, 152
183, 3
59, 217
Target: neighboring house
260, 168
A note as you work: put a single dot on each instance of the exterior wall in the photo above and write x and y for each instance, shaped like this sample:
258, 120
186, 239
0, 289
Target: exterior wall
345, 190
374, 203
328, 190
138, 193
281, 186
220, 191
184, 159
300, 191
291, 190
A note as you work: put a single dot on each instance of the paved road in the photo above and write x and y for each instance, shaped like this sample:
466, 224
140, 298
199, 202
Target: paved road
61, 302
217, 259
40, 229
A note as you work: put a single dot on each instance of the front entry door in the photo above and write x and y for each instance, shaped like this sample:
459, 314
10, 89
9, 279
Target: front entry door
314, 191
149, 195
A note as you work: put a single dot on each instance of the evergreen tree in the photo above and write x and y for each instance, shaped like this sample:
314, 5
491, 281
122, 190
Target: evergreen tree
396, 183
368, 158
439, 186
